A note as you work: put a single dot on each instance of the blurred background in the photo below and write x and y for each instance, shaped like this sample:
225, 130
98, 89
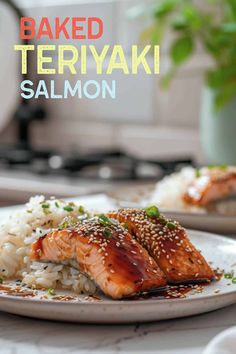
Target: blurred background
73, 147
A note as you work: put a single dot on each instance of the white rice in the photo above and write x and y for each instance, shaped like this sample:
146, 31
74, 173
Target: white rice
16, 237
169, 191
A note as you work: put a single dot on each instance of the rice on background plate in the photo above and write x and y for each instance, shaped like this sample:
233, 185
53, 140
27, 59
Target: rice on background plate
168, 195
169, 191
25, 226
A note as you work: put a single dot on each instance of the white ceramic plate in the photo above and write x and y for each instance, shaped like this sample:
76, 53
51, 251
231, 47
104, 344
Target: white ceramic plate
101, 202
220, 250
218, 223
209, 222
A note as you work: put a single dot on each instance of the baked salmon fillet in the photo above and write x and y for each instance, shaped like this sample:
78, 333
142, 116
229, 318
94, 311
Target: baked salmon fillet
104, 251
210, 185
167, 242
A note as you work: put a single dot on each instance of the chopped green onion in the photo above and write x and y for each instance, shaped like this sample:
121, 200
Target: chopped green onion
81, 209
57, 205
29, 211
152, 211
68, 208
162, 220
229, 275
234, 280
105, 221
1, 280
171, 225
107, 232
51, 292
68, 221
82, 217
197, 173
45, 206
222, 167
113, 222
126, 226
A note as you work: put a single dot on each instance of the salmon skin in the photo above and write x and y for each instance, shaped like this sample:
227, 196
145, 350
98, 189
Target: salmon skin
106, 252
167, 242
211, 185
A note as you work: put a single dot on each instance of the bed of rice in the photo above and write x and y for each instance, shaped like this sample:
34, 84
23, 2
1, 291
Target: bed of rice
20, 230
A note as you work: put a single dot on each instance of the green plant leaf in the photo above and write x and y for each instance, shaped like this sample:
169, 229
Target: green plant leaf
164, 8
215, 29
229, 27
231, 4
181, 49
192, 17
221, 76
179, 23
224, 95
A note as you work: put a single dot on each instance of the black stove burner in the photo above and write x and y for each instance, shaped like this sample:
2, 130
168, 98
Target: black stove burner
108, 165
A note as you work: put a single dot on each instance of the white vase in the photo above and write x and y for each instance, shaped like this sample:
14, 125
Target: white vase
218, 130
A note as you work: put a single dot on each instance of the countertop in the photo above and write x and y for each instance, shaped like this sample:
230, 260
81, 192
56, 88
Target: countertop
19, 335
16, 187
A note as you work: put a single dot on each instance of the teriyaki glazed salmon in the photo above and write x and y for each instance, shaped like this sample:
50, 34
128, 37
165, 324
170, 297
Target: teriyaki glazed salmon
167, 242
105, 251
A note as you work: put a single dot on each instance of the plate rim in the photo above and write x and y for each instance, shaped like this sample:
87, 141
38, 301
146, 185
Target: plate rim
115, 302
126, 303
195, 214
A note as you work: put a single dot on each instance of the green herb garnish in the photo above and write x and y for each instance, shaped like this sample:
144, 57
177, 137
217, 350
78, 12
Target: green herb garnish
81, 209
67, 222
198, 173
229, 275
126, 226
162, 220
51, 292
1, 280
222, 167
171, 225
82, 217
63, 225
57, 205
45, 206
152, 211
68, 208
105, 221
29, 211
107, 232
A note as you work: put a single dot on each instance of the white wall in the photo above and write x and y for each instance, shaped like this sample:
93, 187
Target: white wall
143, 117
